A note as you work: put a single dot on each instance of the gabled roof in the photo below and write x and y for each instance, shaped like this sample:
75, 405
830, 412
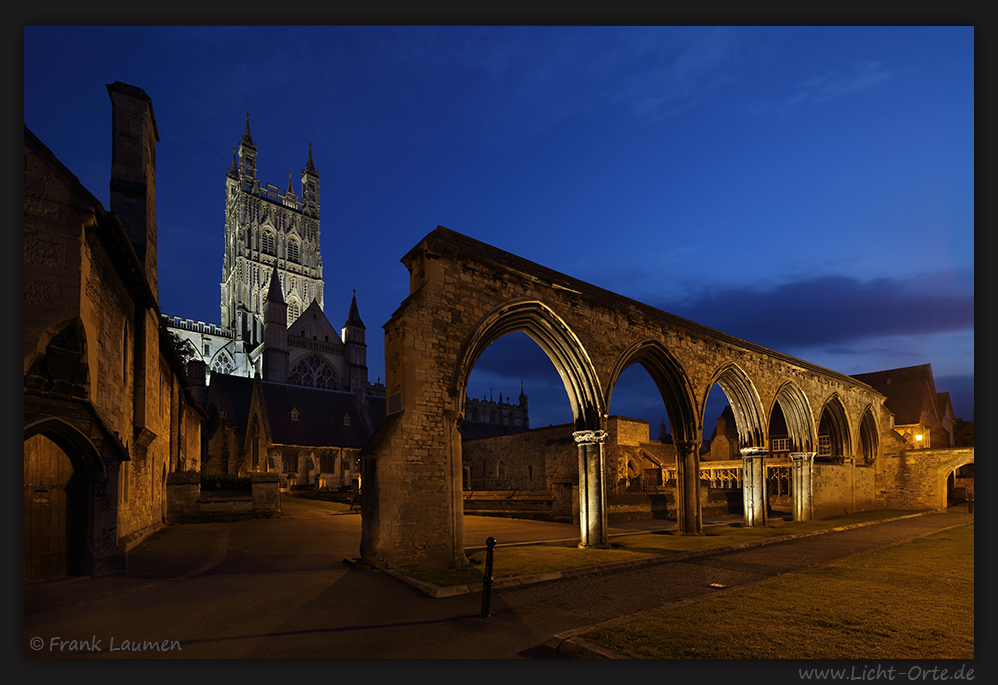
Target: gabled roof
921, 372
232, 395
909, 390
320, 416
943, 402
313, 320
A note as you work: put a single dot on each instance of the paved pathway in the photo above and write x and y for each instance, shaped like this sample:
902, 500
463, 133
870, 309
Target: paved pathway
279, 589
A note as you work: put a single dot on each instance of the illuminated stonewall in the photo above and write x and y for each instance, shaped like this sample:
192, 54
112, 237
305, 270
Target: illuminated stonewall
464, 295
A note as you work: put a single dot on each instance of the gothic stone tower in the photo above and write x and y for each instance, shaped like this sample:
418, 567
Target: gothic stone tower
268, 232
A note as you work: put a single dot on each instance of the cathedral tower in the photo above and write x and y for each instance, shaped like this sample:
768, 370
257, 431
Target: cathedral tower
268, 230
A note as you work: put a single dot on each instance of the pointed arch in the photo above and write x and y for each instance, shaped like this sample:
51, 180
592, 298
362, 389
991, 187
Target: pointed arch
70, 440
833, 424
555, 337
314, 372
869, 438
671, 380
797, 412
222, 363
744, 401
62, 353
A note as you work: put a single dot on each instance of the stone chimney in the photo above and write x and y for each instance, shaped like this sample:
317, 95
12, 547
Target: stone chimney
133, 172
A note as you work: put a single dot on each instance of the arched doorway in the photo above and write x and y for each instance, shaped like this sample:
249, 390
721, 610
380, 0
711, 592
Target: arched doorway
55, 510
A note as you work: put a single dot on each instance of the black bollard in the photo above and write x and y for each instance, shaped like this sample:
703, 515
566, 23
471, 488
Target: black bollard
487, 581
970, 505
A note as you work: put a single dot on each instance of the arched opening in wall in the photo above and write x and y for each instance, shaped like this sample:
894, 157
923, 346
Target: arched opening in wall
960, 485
779, 482
791, 428
55, 510
834, 443
868, 442
513, 394
682, 425
639, 451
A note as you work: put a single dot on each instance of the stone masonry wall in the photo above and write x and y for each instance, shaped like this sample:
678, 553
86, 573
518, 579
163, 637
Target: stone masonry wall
464, 294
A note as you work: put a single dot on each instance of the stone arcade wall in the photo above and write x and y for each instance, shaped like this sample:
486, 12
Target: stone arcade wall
464, 294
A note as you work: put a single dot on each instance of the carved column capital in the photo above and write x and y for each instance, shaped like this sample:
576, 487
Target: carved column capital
687, 446
590, 437
750, 452
802, 456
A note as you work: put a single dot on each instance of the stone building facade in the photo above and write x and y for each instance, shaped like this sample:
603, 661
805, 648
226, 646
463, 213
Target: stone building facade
274, 331
272, 241
108, 411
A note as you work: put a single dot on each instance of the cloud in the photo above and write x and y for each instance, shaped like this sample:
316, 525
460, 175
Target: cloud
827, 86
831, 310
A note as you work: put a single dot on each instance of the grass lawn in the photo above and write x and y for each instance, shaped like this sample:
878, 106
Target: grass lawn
522, 560
910, 601
317, 503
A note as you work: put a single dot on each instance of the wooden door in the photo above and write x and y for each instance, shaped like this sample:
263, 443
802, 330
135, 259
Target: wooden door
54, 511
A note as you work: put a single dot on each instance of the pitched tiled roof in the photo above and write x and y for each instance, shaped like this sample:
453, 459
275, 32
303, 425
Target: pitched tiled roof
905, 374
907, 400
320, 416
909, 390
232, 395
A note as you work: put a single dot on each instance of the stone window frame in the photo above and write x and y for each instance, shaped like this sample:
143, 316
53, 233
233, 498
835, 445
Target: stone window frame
268, 242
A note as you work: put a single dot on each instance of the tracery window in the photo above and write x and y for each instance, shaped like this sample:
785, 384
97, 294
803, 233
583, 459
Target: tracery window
268, 243
222, 364
313, 372
294, 311
293, 251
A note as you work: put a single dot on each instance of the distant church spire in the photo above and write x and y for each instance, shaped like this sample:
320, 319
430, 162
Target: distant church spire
247, 136
353, 318
234, 169
290, 188
274, 293
310, 165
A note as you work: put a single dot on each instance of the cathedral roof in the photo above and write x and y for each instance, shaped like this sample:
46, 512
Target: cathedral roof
325, 418
353, 318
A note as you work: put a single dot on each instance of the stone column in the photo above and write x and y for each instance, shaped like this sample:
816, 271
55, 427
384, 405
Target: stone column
754, 485
800, 474
592, 491
688, 514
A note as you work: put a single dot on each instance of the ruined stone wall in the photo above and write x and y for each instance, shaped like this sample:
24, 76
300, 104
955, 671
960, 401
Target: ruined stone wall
534, 460
832, 490
865, 489
917, 479
463, 295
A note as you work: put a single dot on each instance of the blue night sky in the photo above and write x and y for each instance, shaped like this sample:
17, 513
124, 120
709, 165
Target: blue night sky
810, 189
